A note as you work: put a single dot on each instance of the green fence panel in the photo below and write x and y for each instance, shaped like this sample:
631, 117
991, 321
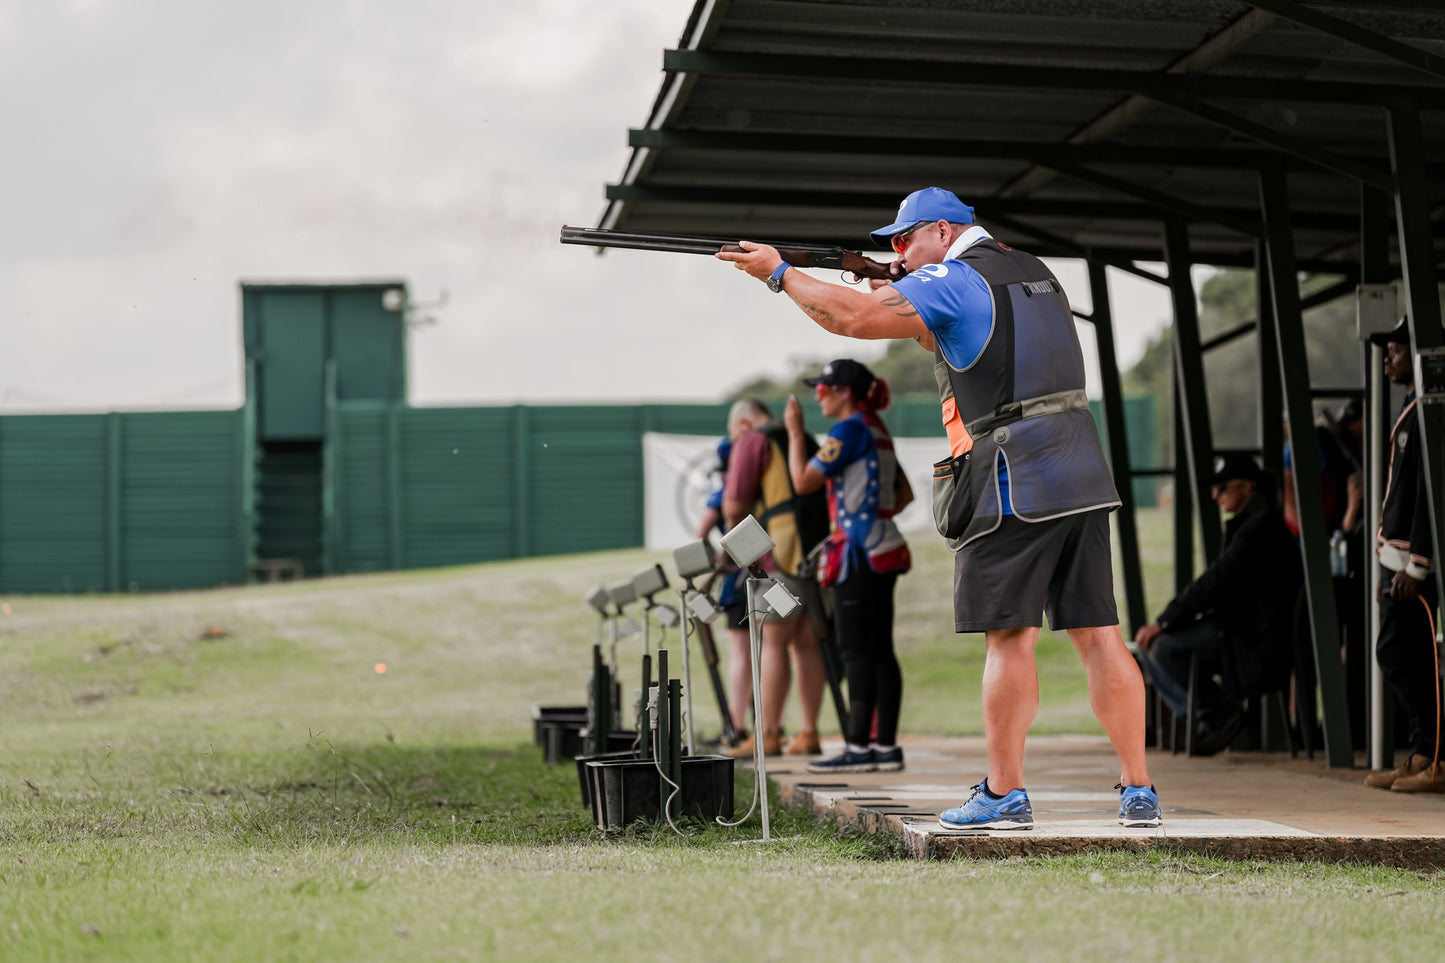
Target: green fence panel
362, 539
54, 503
585, 466
180, 485
153, 501
457, 485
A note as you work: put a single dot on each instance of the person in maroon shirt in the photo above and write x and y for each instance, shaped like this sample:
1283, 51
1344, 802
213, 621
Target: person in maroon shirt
751, 488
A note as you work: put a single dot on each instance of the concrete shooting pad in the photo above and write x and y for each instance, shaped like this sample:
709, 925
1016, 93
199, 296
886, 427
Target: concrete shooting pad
1239, 805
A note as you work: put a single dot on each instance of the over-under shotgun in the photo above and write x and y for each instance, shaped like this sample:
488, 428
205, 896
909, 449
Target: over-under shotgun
797, 254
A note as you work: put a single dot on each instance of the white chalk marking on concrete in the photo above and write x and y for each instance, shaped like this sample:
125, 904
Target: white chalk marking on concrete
1178, 828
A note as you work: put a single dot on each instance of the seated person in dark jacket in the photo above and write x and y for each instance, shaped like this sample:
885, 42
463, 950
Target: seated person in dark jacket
1237, 615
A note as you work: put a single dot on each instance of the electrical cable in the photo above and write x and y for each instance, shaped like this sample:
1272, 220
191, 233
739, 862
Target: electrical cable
676, 787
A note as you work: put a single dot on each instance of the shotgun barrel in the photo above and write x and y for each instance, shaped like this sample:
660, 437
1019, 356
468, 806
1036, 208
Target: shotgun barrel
796, 253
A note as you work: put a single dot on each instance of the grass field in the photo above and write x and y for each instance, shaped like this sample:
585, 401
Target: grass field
269, 795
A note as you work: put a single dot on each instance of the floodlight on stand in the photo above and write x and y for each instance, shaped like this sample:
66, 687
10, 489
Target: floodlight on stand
781, 601
703, 608
622, 594
747, 543
598, 598
694, 559
667, 616
648, 582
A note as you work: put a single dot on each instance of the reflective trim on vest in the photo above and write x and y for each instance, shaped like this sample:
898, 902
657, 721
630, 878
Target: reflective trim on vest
959, 440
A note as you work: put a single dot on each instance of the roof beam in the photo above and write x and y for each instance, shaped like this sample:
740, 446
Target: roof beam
894, 147
1132, 109
977, 74
1369, 174
1400, 52
1158, 199
885, 203
1076, 249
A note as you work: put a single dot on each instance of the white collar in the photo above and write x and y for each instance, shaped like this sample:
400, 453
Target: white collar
967, 240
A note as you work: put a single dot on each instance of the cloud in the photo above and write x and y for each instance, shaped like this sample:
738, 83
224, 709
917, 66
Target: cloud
162, 152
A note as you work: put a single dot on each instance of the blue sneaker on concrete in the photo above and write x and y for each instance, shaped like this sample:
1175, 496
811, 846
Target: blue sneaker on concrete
849, 760
981, 812
1138, 806
889, 760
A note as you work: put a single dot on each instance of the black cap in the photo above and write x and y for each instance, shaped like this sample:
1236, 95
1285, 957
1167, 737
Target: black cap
844, 373
1399, 334
1230, 467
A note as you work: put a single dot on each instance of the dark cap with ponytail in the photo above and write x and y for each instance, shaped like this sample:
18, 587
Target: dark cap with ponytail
868, 392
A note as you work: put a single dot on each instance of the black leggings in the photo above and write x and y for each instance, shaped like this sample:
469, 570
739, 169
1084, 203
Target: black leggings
863, 607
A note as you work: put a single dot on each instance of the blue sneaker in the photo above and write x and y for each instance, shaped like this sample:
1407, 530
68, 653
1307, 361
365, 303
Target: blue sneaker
848, 760
1138, 806
889, 760
980, 812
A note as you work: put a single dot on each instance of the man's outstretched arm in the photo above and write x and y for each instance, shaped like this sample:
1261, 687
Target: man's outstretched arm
872, 316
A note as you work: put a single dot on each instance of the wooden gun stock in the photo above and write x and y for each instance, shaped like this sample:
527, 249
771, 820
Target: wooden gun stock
829, 256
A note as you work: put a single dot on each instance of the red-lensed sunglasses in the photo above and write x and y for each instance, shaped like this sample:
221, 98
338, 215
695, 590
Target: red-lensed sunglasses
900, 242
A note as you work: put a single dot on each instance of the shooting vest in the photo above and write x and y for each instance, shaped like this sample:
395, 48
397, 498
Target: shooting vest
1023, 400
794, 522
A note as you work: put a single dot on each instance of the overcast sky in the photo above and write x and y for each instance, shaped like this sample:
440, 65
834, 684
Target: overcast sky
158, 152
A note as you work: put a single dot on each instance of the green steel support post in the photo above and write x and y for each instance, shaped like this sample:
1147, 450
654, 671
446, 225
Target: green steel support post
522, 481
1119, 460
660, 717
1189, 363
1271, 394
599, 720
674, 748
1183, 502
113, 505
1422, 297
393, 485
1309, 500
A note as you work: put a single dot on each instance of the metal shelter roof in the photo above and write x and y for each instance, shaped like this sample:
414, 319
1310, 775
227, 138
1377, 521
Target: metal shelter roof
1073, 126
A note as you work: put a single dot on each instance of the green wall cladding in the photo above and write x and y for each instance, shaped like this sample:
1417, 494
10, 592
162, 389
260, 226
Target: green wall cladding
418, 487
152, 501
119, 502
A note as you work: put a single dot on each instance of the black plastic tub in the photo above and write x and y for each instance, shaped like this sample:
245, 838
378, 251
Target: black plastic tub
626, 790
543, 715
584, 777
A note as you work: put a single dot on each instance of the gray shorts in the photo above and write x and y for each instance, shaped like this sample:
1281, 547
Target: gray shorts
1010, 577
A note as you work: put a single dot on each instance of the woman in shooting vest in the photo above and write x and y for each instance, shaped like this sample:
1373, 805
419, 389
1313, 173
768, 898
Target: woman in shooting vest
758, 484
863, 556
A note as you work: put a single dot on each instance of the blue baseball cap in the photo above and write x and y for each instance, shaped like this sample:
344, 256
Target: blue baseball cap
929, 204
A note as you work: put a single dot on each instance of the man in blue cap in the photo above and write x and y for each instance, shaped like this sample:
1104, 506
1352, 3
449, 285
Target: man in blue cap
1025, 495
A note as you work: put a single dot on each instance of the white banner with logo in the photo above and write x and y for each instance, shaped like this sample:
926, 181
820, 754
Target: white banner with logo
679, 471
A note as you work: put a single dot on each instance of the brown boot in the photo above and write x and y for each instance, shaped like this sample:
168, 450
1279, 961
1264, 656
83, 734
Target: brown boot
772, 746
1429, 779
1385, 778
804, 744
